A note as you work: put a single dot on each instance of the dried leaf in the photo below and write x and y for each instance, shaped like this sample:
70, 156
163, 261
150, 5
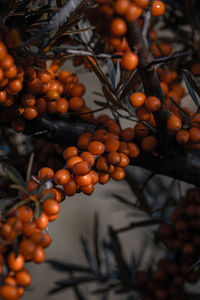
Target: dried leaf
14, 175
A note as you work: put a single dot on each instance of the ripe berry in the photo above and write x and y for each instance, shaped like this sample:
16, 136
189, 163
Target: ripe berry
23, 278
76, 104
7, 62
61, 177
112, 144
95, 176
42, 221
142, 3
8, 292
174, 123
77, 90
84, 140
149, 143
69, 152
118, 27
157, 9
129, 61
81, 168
27, 248
96, 148
46, 173
3, 50
118, 173
70, 188
83, 180
121, 6
133, 13
152, 103
15, 263
30, 113
194, 135
72, 161
24, 213
88, 189
62, 105
39, 255
182, 136
87, 156
137, 99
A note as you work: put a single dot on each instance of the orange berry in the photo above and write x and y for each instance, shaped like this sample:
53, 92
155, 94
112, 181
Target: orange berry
50, 207
112, 144
62, 176
96, 148
84, 140
128, 134
35, 86
182, 136
11, 72
142, 113
118, 27
102, 164
137, 99
27, 249
134, 151
8, 232
178, 89
23, 278
86, 114
142, 3
88, 157
9, 292
152, 103
124, 148
121, 6
3, 96
72, 161
14, 86
125, 161
45, 173
95, 176
29, 229
15, 263
103, 177
1, 74
30, 113
44, 76
174, 123
42, 221
39, 255
52, 107
164, 87
174, 96
118, 173
83, 180
7, 62
88, 189
24, 213
70, 188
76, 104
129, 61
30, 73
133, 13
114, 158
41, 105
194, 135
62, 105
52, 95
114, 128
77, 90
149, 143
81, 168
8, 280
70, 152
141, 129
100, 135
3, 50
28, 100
62, 75
157, 9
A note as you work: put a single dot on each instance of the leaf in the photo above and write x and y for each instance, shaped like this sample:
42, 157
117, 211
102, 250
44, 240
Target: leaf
130, 84
87, 252
14, 175
182, 111
191, 90
124, 201
109, 95
194, 81
67, 267
96, 241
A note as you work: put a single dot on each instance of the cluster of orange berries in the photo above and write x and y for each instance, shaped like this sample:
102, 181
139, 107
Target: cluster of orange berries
183, 234
11, 77
166, 282
27, 231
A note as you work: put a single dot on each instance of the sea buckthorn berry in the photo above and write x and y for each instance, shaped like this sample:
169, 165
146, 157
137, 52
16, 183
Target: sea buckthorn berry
142, 3
149, 143
62, 105
41, 105
42, 221
129, 61
174, 123
50, 207
96, 148
23, 278
70, 188
44, 76
24, 213
87, 156
182, 136
124, 148
101, 119
84, 140
3, 96
35, 86
103, 177
77, 90
30, 113
114, 127
196, 121
172, 94
11, 72
152, 103
81, 168
7, 62
29, 229
121, 6
157, 9
112, 144
9, 101
124, 160
76, 104
27, 248
72, 161
69, 152
46, 173
3, 50
102, 164
194, 135
53, 217
39, 255
8, 292
1, 74
61, 177
52, 95
88, 189
83, 180
8, 232
95, 176
8, 280
114, 158
15, 263
128, 134
62, 75
14, 86
86, 114
164, 87
54, 85
133, 13
28, 100
52, 107
142, 113
118, 173
118, 27
30, 74
178, 89
137, 99
141, 129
